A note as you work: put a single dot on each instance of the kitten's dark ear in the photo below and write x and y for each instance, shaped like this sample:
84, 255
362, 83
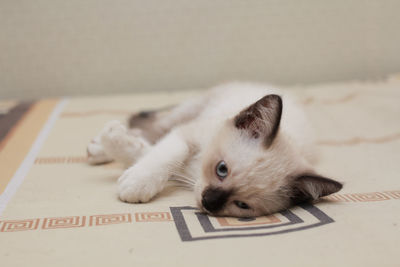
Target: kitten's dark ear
311, 187
261, 119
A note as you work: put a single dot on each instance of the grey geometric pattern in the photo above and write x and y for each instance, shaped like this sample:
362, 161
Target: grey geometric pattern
208, 228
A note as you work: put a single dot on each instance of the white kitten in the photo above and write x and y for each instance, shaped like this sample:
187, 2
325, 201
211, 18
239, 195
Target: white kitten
245, 149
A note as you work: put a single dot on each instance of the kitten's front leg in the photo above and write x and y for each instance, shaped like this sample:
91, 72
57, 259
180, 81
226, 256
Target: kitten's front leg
148, 176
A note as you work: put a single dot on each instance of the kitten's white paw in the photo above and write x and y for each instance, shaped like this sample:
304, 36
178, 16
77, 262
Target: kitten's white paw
121, 145
137, 186
96, 153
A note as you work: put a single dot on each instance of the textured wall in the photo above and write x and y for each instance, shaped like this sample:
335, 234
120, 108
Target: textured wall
58, 47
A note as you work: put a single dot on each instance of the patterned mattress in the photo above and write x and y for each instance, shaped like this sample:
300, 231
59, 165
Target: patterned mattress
56, 210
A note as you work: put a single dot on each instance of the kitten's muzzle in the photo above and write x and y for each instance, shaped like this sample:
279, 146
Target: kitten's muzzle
214, 199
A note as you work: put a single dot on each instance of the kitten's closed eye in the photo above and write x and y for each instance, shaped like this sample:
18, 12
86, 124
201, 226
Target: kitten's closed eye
221, 170
241, 205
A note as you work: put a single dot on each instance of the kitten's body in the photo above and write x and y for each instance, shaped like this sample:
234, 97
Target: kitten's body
266, 145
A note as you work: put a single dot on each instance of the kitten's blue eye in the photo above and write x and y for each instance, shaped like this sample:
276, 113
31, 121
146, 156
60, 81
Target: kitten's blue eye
241, 205
221, 170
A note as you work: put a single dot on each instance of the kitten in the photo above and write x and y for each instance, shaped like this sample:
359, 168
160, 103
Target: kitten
245, 149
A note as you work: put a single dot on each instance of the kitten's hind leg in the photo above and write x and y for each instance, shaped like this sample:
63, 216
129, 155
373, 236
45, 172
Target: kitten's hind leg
117, 143
95, 152
155, 124
122, 145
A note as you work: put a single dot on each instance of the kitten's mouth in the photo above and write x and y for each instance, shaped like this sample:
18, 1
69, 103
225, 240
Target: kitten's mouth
205, 211
213, 199
202, 209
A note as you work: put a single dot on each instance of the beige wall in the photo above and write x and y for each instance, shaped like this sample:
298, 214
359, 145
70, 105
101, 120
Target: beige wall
71, 47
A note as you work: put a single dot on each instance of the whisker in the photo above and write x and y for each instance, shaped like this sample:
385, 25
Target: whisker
183, 186
182, 178
189, 179
182, 181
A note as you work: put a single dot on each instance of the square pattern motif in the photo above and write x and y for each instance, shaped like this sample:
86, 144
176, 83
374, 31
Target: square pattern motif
64, 222
193, 225
98, 220
19, 225
152, 216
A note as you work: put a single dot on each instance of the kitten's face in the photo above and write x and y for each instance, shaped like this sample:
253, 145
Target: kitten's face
250, 170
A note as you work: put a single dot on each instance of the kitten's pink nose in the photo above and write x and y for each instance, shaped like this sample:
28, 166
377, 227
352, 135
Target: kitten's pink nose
214, 199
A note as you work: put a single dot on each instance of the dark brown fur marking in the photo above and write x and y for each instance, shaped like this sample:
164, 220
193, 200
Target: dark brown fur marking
262, 118
323, 186
146, 122
143, 117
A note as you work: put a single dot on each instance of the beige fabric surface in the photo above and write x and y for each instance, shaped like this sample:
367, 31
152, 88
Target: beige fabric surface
66, 213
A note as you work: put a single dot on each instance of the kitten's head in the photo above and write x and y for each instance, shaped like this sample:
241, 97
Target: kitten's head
252, 169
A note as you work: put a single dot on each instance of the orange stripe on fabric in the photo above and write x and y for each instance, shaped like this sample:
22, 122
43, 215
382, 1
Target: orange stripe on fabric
21, 138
